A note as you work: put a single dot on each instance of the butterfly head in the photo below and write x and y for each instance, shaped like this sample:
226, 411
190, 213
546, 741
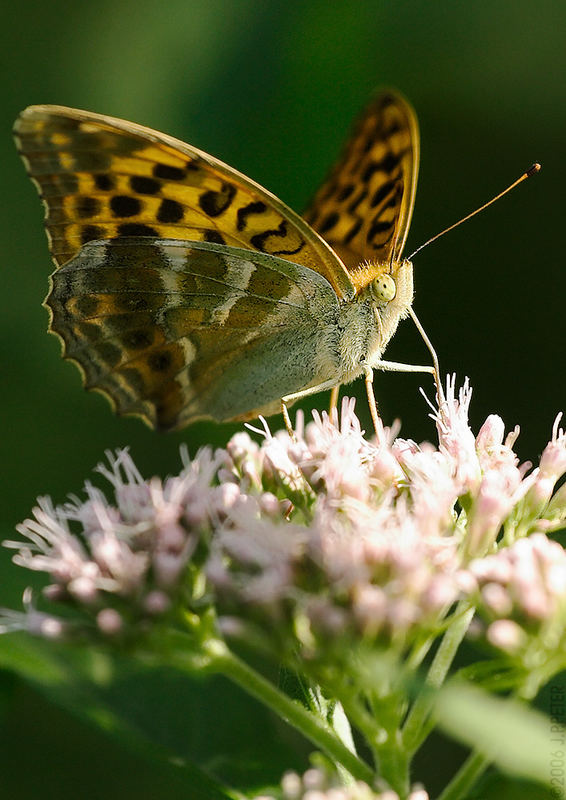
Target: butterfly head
391, 292
383, 288
384, 283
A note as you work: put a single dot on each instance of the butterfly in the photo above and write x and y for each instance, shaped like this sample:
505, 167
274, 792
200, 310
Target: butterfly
184, 290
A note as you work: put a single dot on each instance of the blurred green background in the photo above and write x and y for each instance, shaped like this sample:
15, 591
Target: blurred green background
272, 88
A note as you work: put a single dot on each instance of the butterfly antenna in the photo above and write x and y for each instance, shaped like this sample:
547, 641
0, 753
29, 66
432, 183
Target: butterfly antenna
531, 171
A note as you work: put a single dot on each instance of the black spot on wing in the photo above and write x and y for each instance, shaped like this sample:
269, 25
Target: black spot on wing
136, 229
168, 173
328, 222
387, 164
108, 352
103, 182
87, 305
380, 227
386, 100
259, 241
214, 236
91, 232
395, 127
257, 207
368, 144
87, 206
160, 361
215, 203
345, 192
170, 211
355, 229
143, 185
381, 193
123, 205
138, 339
357, 200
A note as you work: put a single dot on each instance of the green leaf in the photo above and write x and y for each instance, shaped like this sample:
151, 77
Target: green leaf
495, 786
511, 735
31, 659
210, 730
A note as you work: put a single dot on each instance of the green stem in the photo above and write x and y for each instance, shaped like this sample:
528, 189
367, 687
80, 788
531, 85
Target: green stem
417, 717
381, 733
394, 764
223, 661
461, 784
418, 654
366, 724
333, 713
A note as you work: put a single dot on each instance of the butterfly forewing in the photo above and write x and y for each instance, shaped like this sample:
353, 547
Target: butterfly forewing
105, 178
364, 207
175, 331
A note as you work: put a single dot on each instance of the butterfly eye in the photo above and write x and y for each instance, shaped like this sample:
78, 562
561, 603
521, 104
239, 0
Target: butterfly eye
384, 288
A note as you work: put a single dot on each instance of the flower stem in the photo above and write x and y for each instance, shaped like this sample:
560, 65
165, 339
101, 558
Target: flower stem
223, 661
381, 733
465, 778
414, 728
310, 725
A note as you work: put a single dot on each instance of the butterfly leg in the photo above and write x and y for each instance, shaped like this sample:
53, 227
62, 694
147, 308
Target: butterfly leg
387, 366
334, 394
396, 366
432, 351
368, 377
287, 420
290, 398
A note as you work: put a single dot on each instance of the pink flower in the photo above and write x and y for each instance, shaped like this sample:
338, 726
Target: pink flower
313, 537
498, 493
135, 550
316, 784
552, 468
524, 586
506, 635
33, 621
433, 486
456, 440
334, 455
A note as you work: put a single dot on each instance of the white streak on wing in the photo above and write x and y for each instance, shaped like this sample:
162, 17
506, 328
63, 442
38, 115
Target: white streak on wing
238, 275
288, 311
189, 350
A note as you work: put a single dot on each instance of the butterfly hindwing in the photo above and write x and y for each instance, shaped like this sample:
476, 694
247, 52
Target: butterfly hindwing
105, 178
363, 209
175, 331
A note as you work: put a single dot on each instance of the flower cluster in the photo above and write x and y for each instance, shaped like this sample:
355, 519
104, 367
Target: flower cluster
121, 565
357, 556
522, 593
316, 784
313, 541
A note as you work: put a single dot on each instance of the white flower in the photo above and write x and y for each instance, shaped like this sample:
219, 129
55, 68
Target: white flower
456, 440
31, 620
315, 784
